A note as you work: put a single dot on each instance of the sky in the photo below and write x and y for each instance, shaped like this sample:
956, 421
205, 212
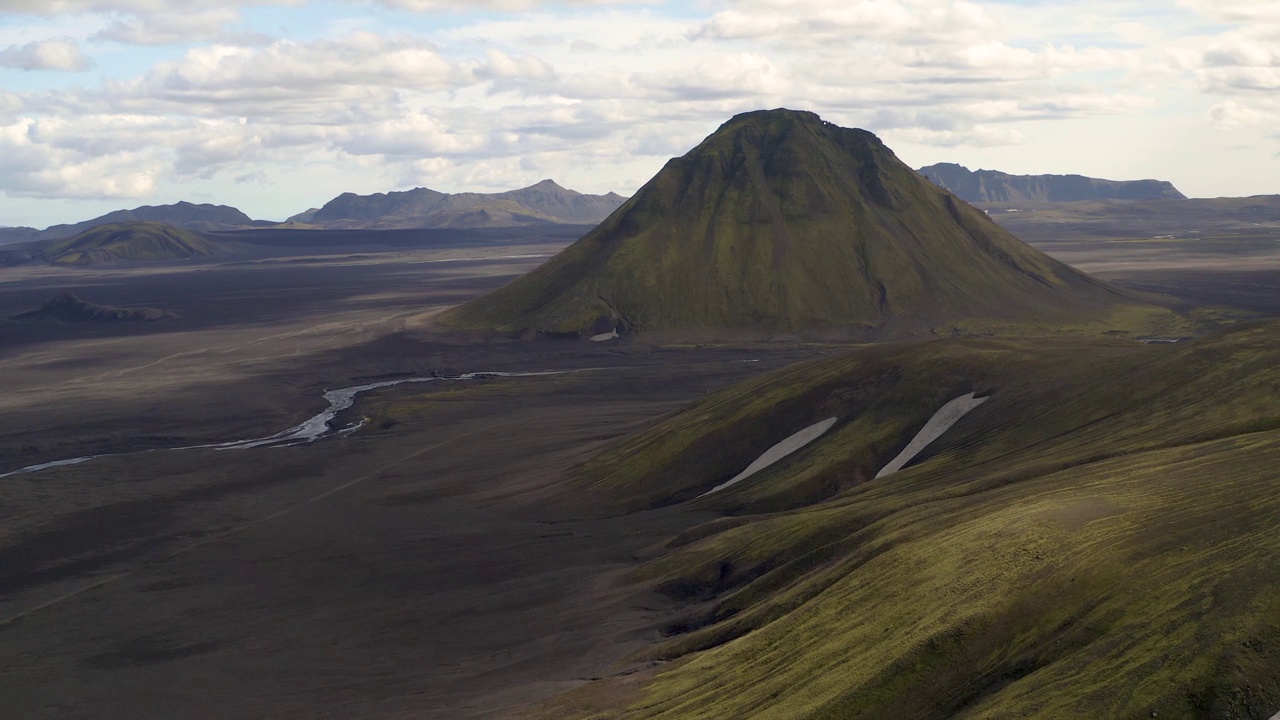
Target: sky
275, 106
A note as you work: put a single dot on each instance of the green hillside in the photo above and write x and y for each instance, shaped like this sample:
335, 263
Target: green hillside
781, 223
1095, 541
144, 241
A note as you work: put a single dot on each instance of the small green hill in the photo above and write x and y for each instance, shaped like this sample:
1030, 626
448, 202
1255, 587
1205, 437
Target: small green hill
1096, 540
142, 241
780, 223
68, 307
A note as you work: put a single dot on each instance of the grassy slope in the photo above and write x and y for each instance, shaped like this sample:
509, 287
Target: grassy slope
779, 222
129, 241
1095, 541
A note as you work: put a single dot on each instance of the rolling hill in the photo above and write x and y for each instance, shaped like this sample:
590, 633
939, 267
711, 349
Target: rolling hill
1095, 540
780, 223
140, 241
545, 202
203, 217
993, 186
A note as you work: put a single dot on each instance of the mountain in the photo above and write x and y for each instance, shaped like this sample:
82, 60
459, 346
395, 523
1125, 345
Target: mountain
303, 217
781, 223
993, 186
11, 235
187, 215
550, 200
545, 202
67, 307
1095, 540
145, 241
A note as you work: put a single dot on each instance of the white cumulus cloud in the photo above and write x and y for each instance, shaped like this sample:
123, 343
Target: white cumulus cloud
58, 55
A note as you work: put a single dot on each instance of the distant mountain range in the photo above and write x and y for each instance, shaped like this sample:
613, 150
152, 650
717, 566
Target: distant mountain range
420, 208
993, 186
545, 202
10, 235
204, 217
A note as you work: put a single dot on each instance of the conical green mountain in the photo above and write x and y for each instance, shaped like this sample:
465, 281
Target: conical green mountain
781, 223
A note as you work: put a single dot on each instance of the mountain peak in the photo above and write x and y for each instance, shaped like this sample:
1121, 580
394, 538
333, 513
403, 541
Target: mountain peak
781, 224
775, 114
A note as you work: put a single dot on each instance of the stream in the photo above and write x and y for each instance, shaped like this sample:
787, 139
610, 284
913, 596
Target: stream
311, 429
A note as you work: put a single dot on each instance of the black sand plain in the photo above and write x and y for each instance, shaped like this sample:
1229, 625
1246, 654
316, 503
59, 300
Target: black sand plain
433, 564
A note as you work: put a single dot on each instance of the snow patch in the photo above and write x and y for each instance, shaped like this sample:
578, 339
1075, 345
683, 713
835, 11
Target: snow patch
941, 422
777, 452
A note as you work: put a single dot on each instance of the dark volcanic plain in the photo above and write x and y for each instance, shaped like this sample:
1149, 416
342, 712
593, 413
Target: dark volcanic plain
432, 564
427, 566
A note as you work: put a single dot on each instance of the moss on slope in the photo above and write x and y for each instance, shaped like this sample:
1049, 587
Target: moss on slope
147, 241
1095, 541
780, 223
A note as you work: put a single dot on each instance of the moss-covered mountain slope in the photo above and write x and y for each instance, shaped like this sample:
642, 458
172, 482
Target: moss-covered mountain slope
780, 223
142, 241
1096, 540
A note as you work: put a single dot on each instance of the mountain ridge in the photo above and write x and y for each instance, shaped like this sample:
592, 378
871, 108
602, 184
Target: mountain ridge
190, 216
421, 208
994, 186
543, 202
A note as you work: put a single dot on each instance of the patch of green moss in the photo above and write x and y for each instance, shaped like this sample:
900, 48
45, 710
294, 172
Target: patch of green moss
145, 241
1097, 540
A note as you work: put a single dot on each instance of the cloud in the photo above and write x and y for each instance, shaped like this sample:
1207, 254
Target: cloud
414, 136
160, 7
209, 24
596, 90
506, 5
120, 7
1235, 63
10, 106
57, 55
1235, 10
844, 21
257, 177
1246, 79
1232, 114
735, 75
980, 137
525, 74
1240, 51
34, 169
350, 80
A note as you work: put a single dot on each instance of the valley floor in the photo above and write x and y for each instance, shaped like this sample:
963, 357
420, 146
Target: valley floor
433, 564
